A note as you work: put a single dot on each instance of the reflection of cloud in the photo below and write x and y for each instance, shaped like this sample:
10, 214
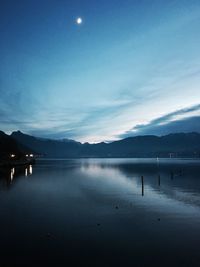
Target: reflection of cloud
120, 183
183, 120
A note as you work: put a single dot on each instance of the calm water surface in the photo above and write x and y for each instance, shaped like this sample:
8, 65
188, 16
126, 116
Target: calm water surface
101, 212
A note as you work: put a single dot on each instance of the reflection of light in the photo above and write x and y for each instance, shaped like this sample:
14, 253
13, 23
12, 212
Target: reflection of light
31, 155
26, 155
12, 155
12, 172
30, 169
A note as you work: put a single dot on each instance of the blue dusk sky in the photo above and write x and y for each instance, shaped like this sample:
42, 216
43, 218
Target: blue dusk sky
132, 67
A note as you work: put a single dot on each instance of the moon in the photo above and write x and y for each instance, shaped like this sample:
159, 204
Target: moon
79, 20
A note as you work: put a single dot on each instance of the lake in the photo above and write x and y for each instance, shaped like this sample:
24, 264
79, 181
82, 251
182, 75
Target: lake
101, 212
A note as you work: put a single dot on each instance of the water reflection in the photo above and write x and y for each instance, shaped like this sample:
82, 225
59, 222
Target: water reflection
8, 175
148, 178
12, 172
29, 170
115, 212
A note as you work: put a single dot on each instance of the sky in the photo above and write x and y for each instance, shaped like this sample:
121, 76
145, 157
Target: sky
132, 67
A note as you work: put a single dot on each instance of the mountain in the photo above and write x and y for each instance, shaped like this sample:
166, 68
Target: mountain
179, 145
8, 146
48, 147
174, 145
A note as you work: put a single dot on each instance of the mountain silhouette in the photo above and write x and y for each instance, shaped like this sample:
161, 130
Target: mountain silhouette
9, 146
172, 145
48, 147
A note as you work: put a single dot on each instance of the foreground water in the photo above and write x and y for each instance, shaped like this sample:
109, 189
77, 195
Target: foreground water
101, 212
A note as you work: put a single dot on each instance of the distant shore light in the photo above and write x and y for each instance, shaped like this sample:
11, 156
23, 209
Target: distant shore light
29, 155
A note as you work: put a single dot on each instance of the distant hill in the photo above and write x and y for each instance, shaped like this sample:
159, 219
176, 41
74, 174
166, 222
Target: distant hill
48, 147
172, 145
8, 146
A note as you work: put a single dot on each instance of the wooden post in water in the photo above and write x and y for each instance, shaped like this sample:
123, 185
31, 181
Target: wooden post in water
159, 179
142, 180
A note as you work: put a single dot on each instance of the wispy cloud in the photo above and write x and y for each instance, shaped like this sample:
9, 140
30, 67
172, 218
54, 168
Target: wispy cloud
185, 120
97, 87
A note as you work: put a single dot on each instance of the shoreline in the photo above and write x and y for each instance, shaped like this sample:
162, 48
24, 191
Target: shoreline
15, 163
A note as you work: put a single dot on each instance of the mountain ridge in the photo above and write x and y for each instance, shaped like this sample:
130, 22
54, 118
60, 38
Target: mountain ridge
171, 145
